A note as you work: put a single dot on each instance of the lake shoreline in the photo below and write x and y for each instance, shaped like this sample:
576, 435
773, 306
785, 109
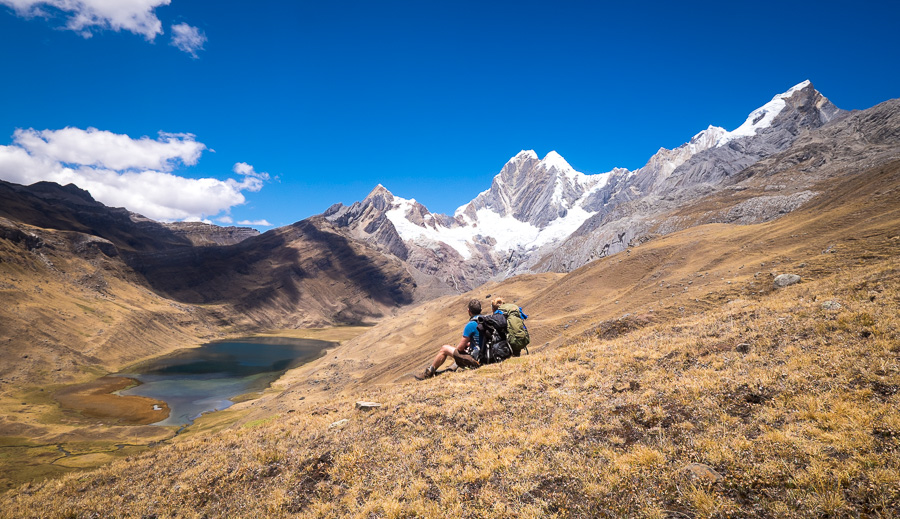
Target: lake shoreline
212, 377
100, 398
97, 399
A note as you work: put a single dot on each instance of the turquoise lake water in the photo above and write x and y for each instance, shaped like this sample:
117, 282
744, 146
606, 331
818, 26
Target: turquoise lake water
198, 380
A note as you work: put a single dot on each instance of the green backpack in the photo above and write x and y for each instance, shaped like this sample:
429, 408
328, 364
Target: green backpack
516, 333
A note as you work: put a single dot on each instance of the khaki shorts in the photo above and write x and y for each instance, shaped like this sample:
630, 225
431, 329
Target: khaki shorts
464, 360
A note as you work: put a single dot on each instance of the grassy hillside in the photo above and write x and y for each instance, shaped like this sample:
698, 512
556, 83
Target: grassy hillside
72, 310
94, 292
672, 380
790, 402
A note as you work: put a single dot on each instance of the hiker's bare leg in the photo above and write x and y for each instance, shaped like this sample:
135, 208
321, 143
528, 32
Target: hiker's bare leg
446, 351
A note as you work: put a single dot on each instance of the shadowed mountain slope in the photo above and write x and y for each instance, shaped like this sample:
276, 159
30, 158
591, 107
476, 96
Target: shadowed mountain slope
95, 289
299, 275
68, 208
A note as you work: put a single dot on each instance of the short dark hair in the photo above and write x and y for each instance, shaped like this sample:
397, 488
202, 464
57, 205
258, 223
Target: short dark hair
474, 307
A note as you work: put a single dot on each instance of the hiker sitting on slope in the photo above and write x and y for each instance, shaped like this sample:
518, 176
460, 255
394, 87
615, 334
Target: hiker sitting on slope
466, 351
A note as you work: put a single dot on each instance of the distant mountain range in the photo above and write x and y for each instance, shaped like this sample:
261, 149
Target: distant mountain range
542, 215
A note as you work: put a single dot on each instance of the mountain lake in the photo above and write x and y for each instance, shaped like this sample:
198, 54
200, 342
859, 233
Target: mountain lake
193, 381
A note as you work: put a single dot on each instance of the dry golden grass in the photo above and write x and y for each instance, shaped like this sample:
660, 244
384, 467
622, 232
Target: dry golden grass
793, 404
67, 316
692, 271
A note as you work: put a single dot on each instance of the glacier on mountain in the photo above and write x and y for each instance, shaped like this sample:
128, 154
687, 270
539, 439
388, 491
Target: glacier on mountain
491, 216
762, 117
533, 203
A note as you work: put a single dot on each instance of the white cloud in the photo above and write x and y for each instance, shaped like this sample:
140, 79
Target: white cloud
123, 172
253, 181
260, 223
93, 147
136, 16
187, 38
225, 219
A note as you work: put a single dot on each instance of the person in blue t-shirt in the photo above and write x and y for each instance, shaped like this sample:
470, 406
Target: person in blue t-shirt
466, 351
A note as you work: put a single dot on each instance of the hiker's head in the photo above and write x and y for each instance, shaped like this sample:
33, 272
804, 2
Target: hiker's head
474, 307
495, 304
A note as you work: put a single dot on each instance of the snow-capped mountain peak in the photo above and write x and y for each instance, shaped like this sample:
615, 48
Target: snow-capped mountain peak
763, 116
555, 160
525, 155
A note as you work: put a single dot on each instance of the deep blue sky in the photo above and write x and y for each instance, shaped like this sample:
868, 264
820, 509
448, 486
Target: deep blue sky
432, 98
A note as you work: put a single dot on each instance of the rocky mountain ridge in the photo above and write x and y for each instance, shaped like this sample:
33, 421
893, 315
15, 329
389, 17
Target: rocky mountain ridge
703, 167
542, 214
69, 208
538, 214
203, 234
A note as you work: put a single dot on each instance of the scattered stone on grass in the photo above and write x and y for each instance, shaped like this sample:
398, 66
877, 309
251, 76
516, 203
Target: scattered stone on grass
367, 406
620, 386
831, 305
338, 424
704, 473
785, 280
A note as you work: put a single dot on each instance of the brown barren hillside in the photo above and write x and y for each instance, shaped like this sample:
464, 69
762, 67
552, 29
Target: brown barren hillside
672, 380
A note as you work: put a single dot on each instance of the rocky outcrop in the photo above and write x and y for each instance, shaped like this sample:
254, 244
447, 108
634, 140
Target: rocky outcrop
367, 221
372, 222
203, 234
786, 280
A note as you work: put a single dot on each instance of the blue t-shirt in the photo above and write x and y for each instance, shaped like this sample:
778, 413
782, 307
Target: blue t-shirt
471, 331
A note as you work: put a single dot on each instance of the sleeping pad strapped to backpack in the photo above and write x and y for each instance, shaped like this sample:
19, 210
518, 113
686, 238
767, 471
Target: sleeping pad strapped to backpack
516, 334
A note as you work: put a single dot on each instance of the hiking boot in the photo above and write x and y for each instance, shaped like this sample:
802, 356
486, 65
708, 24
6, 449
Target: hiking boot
429, 372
